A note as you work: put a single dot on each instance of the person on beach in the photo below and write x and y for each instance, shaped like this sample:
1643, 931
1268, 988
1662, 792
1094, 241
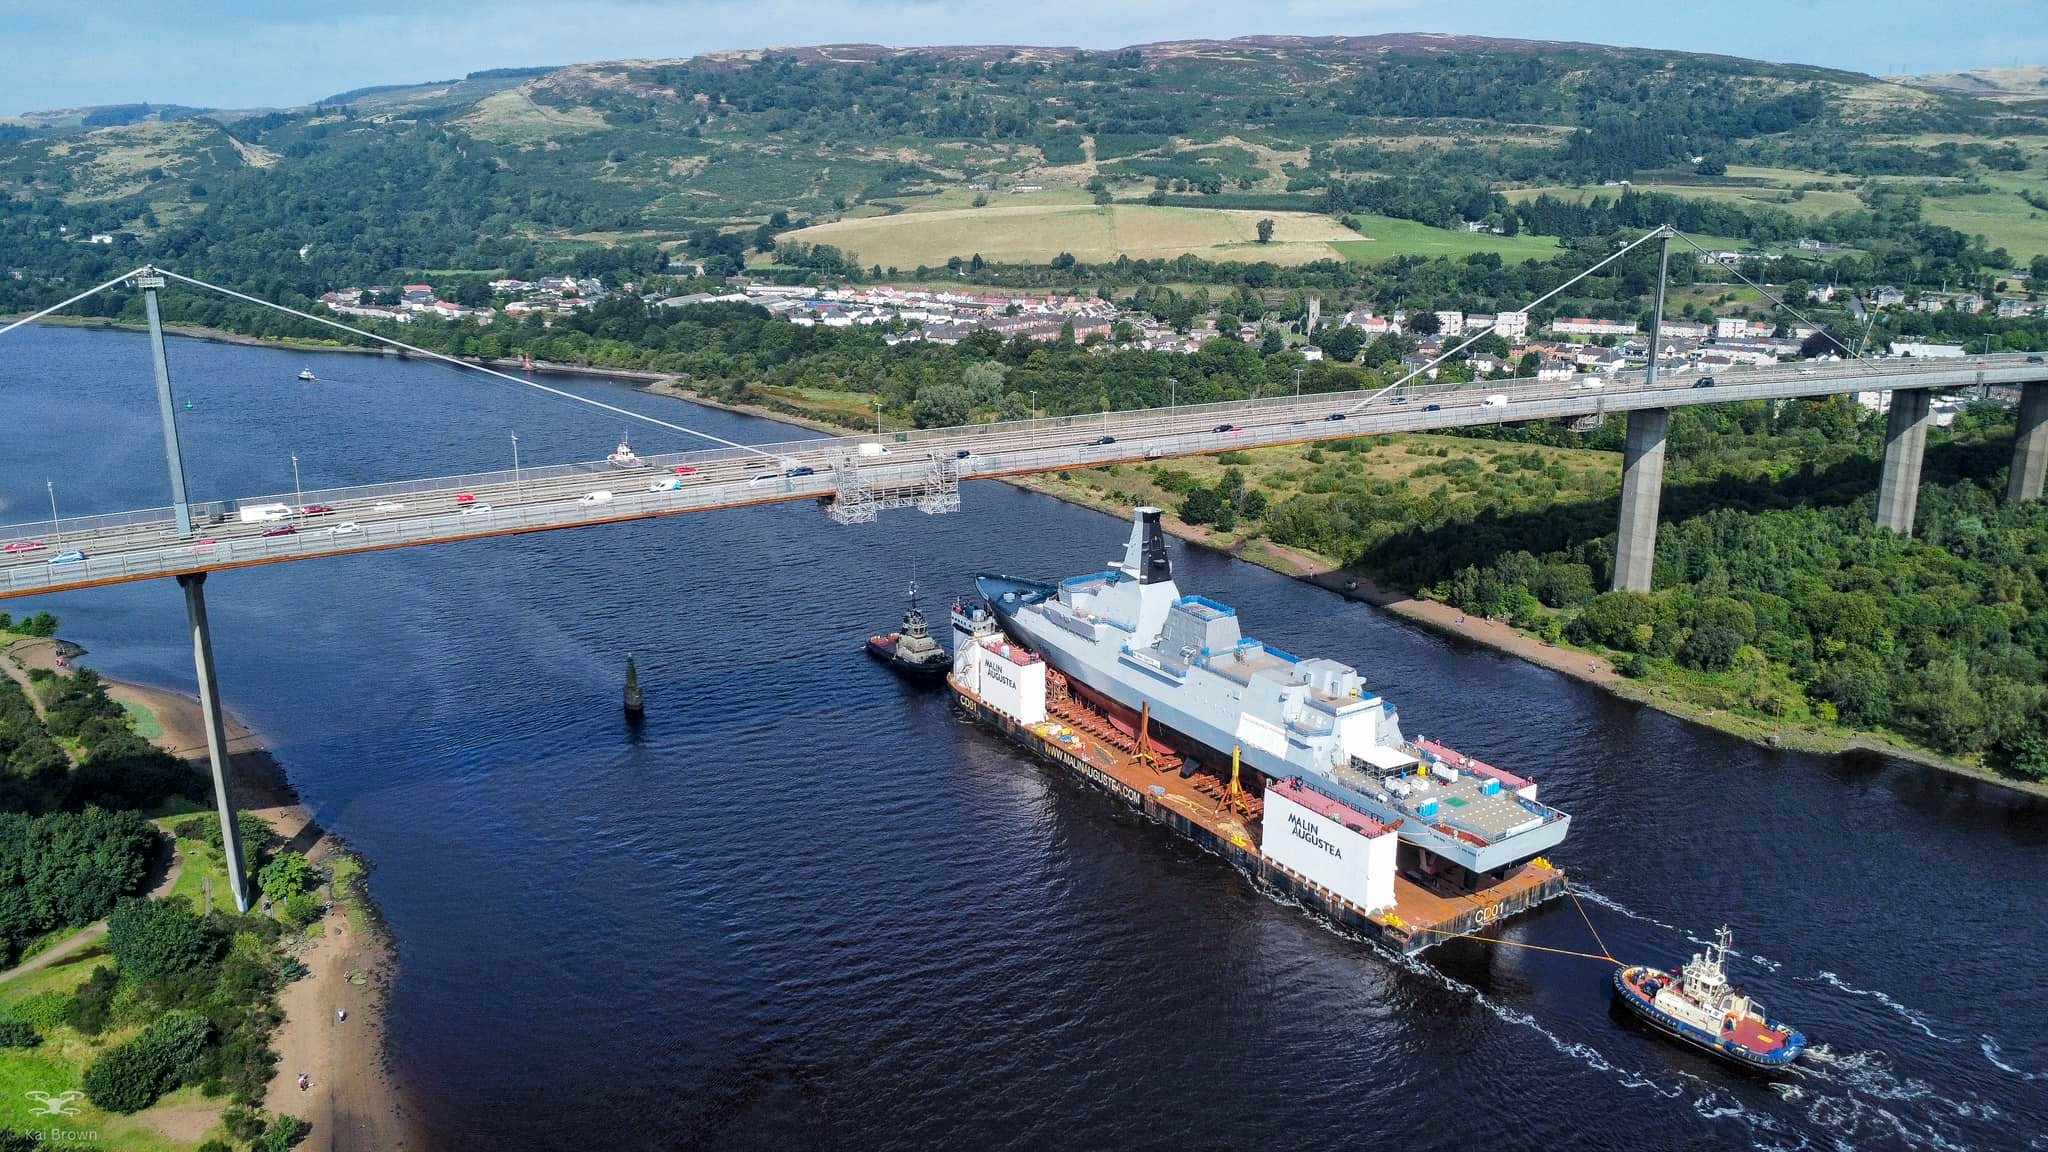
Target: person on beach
340, 1014
302, 1081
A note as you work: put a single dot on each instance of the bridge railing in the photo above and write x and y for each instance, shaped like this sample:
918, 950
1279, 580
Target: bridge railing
768, 457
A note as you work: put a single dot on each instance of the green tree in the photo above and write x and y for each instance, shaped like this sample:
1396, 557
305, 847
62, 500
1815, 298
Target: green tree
1265, 229
1344, 343
1201, 506
153, 938
287, 876
942, 406
132, 1076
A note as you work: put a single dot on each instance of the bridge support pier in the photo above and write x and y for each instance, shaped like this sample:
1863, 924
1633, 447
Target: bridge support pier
194, 584
2030, 445
1642, 486
1905, 446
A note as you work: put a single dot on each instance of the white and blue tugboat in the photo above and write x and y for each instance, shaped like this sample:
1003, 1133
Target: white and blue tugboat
1699, 1006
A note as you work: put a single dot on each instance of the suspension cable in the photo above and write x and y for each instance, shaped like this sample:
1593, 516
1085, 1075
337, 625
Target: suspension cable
1821, 328
1474, 337
35, 316
460, 363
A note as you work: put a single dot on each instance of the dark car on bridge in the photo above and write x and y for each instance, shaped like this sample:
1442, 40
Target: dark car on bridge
1224, 428
1432, 407
802, 470
1105, 439
962, 454
1704, 382
2033, 360
1334, 416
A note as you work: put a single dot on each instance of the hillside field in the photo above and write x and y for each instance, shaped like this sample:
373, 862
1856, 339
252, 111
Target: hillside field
1034, 233
1037, 232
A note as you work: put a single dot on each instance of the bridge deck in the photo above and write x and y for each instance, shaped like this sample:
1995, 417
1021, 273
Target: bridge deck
144, 544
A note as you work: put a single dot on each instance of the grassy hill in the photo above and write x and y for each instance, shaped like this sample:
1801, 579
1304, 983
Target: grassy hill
871, 150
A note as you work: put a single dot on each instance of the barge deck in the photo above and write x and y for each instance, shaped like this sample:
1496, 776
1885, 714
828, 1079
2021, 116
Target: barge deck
1201, 808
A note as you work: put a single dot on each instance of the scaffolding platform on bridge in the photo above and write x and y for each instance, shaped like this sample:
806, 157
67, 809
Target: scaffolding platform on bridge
858, 500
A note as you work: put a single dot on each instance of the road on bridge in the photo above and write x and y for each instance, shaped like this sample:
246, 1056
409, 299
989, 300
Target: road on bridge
41, 557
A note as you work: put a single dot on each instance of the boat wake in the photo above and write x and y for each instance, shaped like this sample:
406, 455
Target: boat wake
1613, 905
1989, 1047
1834, 1099
1907, 1014
1588, 892
1578, 1050
1861, 1097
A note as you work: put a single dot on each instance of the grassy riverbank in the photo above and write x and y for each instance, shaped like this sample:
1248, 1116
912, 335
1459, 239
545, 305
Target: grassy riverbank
269, 987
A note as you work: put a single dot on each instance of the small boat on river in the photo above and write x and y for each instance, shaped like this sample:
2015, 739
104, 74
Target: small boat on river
623, 456
912, 652
1697, 1005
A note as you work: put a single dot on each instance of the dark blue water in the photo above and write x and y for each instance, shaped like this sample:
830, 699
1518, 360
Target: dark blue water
805, 907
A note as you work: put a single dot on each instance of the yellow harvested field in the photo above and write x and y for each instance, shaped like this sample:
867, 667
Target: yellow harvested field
1038, 232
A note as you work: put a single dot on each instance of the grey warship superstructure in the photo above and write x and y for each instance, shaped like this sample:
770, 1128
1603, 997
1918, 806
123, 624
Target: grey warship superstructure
1130, 641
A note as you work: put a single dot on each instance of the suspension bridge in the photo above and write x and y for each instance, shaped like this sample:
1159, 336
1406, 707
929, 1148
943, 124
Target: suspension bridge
855, 478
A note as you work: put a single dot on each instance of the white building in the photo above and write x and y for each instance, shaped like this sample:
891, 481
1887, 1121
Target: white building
1513, 325
1584, 326
1741, 328
1450, 323
1928, 351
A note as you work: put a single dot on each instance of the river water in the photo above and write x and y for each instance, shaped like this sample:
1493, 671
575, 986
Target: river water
807, 907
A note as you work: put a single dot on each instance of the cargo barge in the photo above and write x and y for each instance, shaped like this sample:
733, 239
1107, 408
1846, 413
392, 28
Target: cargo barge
1139, 691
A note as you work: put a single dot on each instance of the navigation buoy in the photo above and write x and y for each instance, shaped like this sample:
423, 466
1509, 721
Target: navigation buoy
636, 705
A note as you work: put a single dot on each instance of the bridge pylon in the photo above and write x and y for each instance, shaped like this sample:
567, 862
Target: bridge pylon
194, 584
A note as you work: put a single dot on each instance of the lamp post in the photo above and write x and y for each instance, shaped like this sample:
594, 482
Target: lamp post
518, 492
298, 493
56, 529
1034, 411
878, 417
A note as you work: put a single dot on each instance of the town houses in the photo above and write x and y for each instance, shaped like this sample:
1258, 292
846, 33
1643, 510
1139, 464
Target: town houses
1489, 343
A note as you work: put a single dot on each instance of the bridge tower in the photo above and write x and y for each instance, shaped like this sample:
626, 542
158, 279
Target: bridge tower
2030, 444
1642, 463
194, 584
1905, 447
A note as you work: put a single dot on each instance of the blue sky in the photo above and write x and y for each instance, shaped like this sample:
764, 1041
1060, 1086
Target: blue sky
249, 53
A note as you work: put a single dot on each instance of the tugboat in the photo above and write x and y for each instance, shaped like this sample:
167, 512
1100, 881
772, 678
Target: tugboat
1700, 1007
623, 457
912, 652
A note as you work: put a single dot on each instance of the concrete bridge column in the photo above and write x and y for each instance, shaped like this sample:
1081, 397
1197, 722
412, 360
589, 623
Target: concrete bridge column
1642, 486
194, 584
1905, 445
2030, 445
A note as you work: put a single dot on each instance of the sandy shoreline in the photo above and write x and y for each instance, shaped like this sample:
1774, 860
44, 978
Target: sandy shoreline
352, 1104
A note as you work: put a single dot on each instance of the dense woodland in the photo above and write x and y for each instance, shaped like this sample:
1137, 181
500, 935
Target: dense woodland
187, 998
1775, 593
